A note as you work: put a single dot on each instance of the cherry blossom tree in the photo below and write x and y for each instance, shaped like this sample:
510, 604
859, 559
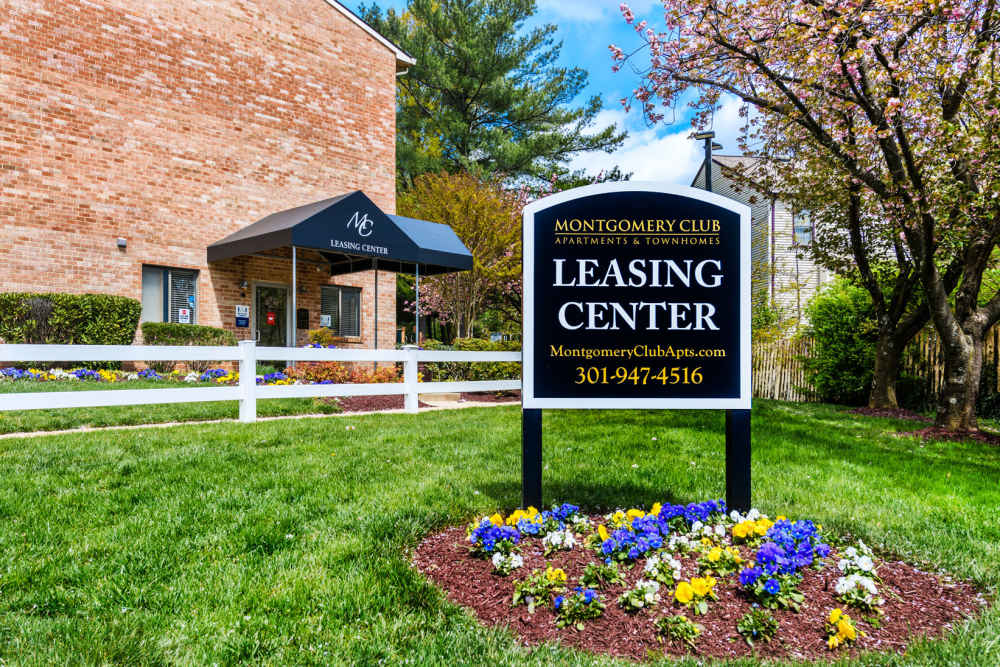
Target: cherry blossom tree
895, 100
486, 216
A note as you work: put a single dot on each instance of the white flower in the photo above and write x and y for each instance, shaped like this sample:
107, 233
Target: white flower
507, 563
753, 514
866, 563
696, 526
720, 530
851, 552
734, 516
651, 563
559, 539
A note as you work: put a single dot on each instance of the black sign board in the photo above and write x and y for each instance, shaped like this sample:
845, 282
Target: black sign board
636, 296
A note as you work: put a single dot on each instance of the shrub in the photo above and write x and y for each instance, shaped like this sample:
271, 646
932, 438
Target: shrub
843, 328
172, 333
365, 375
322, 336
328, 372
443, 371
69, 319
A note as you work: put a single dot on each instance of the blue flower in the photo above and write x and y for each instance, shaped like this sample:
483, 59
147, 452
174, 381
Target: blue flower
588, 596
750, 575
558, 602
772, 586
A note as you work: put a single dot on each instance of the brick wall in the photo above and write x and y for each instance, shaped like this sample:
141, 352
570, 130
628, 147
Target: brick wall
174, 124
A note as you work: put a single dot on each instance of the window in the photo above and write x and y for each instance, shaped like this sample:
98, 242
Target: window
802, 229
169, 295
340, 310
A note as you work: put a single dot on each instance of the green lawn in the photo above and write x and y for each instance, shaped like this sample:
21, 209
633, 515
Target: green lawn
17, 421
287, 542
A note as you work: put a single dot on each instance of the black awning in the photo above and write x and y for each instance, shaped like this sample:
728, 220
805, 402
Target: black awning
352, 232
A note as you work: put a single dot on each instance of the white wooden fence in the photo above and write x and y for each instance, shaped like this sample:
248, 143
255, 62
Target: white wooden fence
247, 391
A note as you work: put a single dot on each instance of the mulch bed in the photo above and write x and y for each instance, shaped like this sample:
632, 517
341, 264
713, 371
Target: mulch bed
891, 413
378, 403
371, 403
938, 433
491, 396
927, 605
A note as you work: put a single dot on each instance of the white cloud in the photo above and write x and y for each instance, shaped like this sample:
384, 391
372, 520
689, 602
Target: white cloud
659, 153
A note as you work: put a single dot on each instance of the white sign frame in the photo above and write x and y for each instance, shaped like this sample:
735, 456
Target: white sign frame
528, 398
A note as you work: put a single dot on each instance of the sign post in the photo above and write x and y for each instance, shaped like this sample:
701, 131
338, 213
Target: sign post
637, 295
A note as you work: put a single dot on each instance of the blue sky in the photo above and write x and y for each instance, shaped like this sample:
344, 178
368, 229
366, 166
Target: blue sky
586, 28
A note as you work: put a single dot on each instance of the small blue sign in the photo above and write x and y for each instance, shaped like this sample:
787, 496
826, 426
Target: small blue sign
242, 322
191, 300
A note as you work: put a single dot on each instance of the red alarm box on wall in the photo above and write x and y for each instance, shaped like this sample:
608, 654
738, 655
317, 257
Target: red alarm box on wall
271, 319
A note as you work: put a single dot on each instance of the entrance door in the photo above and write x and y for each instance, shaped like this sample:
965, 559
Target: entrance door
271, 311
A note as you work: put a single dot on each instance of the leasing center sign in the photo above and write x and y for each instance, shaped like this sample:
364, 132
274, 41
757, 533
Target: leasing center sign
636, 295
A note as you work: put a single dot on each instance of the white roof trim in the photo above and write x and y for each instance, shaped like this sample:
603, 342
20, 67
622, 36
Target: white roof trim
401, 55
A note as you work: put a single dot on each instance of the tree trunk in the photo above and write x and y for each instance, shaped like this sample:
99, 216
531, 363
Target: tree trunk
963, 367
887, 357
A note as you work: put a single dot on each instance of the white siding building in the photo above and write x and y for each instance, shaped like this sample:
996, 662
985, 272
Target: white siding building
782, 270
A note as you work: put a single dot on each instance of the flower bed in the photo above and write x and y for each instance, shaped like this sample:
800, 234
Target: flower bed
680, 579
212, 375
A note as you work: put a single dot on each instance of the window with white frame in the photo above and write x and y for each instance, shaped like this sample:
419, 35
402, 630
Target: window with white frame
340, 309
802, 228
169, 295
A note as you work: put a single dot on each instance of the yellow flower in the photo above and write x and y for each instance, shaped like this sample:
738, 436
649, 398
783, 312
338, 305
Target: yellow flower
707, 542
741, 530
834, 616
497, 519
684, 592
714, 555
846, 630
514, 517
734, 552
780, 517
556, 575
832, 642
603, 532
618, 518
656, 509
635, 514
531, 511
700, 586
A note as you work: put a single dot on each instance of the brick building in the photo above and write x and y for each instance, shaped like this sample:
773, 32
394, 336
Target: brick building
138, 133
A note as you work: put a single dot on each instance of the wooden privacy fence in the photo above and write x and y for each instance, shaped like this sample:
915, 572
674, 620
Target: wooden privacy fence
778, 371
924, 359
247, 391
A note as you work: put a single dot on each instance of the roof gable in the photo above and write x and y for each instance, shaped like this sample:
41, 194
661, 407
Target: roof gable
403, 59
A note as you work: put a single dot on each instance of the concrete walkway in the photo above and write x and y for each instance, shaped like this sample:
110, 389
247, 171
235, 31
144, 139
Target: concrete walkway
437, 405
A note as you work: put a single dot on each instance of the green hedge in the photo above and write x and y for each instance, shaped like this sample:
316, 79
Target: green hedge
444, 371
842, 324
70, 319
171, 333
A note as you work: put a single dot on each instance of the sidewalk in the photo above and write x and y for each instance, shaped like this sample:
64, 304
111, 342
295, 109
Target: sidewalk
437, 405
